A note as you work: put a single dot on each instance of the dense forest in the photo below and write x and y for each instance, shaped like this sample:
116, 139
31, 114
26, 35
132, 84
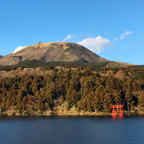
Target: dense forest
31, 91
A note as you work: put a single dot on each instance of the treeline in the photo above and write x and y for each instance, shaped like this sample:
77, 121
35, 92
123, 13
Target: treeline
37, 63
84, 89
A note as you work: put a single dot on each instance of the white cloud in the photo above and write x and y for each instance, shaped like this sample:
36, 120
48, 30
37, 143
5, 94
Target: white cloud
19, 48
97, 44
125, 34
68, 37
122, 36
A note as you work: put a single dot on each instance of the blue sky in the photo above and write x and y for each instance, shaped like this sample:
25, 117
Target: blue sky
114, 29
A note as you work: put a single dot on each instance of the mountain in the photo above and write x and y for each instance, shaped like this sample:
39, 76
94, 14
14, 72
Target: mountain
55, 51
67, 79
0, 56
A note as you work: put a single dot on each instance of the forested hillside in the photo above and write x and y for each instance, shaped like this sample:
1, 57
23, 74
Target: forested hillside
60, 90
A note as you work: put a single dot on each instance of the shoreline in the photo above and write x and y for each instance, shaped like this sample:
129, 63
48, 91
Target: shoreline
66, 113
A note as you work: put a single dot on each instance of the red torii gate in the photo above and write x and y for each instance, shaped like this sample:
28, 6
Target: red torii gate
119, 110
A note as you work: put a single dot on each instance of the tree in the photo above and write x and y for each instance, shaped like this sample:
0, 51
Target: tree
141, 100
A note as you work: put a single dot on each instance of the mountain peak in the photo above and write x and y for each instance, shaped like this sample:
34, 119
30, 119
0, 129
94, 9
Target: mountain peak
53, 51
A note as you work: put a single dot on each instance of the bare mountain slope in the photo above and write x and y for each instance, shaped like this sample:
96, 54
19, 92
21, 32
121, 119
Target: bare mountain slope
56, 51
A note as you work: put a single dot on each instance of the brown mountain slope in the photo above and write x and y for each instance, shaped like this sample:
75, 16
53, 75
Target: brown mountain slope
56, 51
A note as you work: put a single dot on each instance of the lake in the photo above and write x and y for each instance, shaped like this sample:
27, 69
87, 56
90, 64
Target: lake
71, 130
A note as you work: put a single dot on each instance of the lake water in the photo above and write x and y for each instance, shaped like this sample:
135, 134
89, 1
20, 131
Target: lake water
72, 130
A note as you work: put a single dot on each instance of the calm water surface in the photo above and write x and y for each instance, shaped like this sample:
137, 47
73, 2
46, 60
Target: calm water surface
65, 130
